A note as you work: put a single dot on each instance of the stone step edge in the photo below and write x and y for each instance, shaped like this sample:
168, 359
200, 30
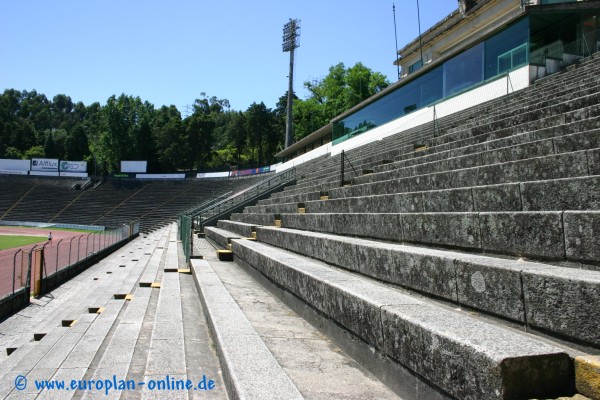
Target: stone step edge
249, 369
510, 289
428, 339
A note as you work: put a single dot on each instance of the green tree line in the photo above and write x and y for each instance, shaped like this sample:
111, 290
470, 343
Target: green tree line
211, 136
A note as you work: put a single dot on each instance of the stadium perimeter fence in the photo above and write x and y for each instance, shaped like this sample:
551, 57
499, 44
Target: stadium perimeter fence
30, 270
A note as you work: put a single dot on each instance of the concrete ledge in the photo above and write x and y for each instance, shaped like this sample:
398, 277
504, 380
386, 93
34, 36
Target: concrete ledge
510, 289
532, 234
240, 228
220, 236
465, 357
249, 369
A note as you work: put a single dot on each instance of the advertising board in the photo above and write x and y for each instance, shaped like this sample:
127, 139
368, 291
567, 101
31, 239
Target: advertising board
134, 166
73, 166
44, 164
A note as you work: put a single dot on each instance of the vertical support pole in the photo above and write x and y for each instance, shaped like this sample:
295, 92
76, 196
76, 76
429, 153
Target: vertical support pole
343, 156
289, 128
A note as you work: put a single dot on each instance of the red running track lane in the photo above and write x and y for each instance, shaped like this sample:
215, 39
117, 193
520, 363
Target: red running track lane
67, 248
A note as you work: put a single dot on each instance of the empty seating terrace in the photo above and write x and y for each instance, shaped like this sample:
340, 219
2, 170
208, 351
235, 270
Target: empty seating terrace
114, 202
474, 247
459, 263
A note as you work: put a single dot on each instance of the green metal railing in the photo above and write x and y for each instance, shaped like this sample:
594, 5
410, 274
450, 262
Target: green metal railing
211, 211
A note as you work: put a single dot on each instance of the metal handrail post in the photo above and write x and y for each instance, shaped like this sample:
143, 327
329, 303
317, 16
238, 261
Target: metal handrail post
342, 169
15, 267
87, 242
79, 246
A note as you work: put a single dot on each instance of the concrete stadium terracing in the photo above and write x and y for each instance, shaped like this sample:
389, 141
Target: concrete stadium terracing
460, 262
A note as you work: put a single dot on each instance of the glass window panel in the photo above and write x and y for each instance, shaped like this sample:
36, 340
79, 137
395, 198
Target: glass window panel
464, 70
503, 42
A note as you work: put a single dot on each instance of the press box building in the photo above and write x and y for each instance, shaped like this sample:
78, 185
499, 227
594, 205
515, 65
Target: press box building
483, 50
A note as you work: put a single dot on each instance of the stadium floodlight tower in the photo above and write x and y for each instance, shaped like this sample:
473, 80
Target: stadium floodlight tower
291, 35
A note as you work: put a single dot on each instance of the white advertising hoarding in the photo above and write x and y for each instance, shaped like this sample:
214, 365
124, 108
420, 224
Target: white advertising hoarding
44, 164
73, 166
134, 166
14, 165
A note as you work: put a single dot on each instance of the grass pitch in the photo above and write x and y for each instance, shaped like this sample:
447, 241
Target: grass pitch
12, 241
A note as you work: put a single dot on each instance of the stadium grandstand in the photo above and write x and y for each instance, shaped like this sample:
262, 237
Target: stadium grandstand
440, 240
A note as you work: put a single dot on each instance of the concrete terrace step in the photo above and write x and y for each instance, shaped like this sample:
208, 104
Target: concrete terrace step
112, 334
462, 355
511, 289
550, 235
565, 165
238, 344
76, 345
316, 366
555, 194
494, 139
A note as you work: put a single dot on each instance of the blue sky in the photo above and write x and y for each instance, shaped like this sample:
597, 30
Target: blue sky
168, 52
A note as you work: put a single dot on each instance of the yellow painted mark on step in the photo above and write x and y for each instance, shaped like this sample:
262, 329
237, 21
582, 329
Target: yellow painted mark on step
324, 198
587, 376
302, 210
68, 323
225, 255
278, 223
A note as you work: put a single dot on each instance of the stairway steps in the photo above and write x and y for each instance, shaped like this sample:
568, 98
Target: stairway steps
441, 345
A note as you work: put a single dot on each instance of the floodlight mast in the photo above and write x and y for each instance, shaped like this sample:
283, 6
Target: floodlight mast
291, 34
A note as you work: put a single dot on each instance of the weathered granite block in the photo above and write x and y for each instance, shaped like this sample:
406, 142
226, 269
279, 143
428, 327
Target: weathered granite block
550, 167
492, 285
454, 179
503, 197
565, 301
594, 161
536, 234
451, 200
582, 235
519, 152
562, 194
460, 162
578, 141
310, 222
243, 229
220, 236
423, 270
326, 206
448, 229
471, 359
473, 145
256, 219
380, 226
